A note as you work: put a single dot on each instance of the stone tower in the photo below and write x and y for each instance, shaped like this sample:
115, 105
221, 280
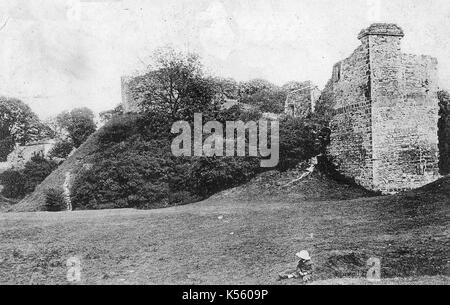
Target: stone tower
384, 128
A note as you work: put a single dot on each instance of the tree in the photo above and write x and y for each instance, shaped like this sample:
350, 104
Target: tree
13, 182
18, 124
175, 85
62, 149
253, 86
56, 130
228, 87
79, 124
260, 93
267, 100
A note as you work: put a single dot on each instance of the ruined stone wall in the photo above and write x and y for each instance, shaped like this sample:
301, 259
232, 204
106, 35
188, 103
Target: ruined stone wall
128, 102
298, 103
301, 102
385, 122
405, 116
22, 154
351, 133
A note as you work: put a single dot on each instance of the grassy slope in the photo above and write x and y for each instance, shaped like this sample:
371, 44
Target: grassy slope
254, 240
36, 200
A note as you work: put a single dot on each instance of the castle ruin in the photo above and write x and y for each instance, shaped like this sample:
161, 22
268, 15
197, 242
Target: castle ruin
384, 130
301, 102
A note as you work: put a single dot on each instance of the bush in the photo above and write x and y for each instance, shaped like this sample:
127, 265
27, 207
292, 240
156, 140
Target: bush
299, 141
118, 129
13, 182
6, 147
211, 175
124, 179
267, 100
55, 200
36, 170
62, 149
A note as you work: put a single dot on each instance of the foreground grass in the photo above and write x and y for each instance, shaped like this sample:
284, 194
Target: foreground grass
229, 241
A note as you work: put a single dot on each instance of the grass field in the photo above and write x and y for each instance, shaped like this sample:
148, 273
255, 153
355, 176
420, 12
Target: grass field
231, 240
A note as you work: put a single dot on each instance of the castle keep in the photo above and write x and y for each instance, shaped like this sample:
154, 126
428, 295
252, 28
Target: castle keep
384, 132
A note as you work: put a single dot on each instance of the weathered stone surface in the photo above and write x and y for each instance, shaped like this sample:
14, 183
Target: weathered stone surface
384, 130
300, 102
129, 104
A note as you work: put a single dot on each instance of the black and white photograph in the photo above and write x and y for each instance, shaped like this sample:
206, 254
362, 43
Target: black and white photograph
250, 144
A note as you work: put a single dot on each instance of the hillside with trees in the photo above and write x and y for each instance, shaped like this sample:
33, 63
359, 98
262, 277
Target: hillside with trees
128, 163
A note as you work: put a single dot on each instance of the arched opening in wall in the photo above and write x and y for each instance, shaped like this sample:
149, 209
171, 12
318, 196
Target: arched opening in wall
444, 132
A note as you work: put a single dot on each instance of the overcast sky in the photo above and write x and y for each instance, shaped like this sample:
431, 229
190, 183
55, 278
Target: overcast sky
58, 54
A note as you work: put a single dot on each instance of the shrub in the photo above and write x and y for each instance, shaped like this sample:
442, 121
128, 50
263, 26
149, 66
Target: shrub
125, 179
299, 141
211, 175
267, 100
62, 149
118, 129
55, 200
6, 147
36, 170
13, 182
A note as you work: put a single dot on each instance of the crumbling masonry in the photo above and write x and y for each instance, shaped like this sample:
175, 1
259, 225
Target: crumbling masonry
384, 132
301, 101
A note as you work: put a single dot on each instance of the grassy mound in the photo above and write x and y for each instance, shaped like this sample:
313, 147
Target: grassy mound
286, 185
